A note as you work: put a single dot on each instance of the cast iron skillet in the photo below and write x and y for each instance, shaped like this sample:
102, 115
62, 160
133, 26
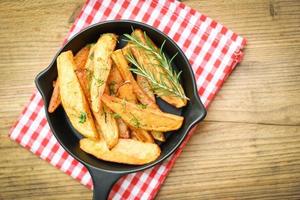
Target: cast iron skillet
105, 174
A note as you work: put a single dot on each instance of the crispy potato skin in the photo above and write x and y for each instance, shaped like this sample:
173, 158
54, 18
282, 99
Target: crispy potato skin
108, 126
81, 57
72, 96
148, 61
145, 86
123, 129
102, 65
143, 118
80, 61
142, 135
158, 135
114, 80
55, 98
126, 92
127, 151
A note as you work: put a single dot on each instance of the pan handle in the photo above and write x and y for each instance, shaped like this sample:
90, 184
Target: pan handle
103, 182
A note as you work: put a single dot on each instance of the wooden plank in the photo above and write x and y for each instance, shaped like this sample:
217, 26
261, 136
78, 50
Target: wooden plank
227, 160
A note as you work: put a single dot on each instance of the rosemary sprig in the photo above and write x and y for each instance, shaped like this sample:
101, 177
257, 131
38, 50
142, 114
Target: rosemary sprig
157, 80
82, 117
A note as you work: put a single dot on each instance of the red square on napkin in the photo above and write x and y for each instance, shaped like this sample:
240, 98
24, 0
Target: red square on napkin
212, 49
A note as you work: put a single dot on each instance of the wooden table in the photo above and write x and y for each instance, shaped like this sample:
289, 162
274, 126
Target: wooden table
248, 147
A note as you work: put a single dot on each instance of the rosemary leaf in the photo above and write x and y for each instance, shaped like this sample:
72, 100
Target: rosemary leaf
158, 82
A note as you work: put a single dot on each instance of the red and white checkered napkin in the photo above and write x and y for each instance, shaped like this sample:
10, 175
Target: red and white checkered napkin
211, 48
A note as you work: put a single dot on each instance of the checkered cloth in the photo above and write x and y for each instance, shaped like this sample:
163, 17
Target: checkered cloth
212, 49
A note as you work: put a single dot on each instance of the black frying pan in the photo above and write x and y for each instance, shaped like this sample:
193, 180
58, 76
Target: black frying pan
105, 174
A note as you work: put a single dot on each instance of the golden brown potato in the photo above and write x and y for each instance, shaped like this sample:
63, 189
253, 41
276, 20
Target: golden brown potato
149, 62
145, 86
108, 126
123, 67
158, 135
142, 117
141, 135
114, 80
55, 98
81, 57
102, 65
126, 92
80, 61
83, 80
127, 151
72, 96
126, 50
123, 129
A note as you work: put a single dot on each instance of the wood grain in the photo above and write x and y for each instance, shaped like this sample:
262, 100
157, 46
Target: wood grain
247, 148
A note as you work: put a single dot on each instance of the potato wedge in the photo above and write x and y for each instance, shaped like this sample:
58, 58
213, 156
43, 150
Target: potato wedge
123, 129
108, 126
114, 80
126, 50
55, 98
149, 62
144, 118
126, 92
123, 67
80, 61
83, 80
145, 86
102, 65
72, 96
141, 135
158, 135
127, 151
81, 57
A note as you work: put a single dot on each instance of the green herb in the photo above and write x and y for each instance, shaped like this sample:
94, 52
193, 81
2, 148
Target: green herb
82, 117
142, 106
123, 104
116, 116
158, 83
99, 82
135, 121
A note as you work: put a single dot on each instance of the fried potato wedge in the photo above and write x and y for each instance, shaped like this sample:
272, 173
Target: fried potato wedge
123, 129
114, 80
144, 118
81, 57
146, 87
80, 61
108, 126
158, 135
149, 62
141, 135
123, 67
144, 84
127, 151
55, 98
72, 96
126, 92
102, 65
